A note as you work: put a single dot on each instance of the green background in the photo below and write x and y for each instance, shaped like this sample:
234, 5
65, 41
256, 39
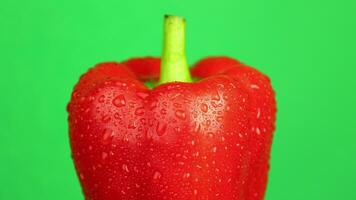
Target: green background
307, 47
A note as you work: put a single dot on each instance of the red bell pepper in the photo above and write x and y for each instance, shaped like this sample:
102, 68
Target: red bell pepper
182, 140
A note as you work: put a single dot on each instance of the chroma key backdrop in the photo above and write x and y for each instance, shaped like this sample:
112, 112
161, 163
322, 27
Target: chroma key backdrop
307, 48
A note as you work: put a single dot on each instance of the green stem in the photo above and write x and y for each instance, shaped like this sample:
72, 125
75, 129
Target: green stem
174, 65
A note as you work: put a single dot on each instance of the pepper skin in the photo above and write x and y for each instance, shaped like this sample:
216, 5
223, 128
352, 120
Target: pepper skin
147, 68
262, 116
210, 139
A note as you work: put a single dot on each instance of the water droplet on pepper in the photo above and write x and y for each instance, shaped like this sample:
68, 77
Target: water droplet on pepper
204, 107
161, 129
119, 101
180, 114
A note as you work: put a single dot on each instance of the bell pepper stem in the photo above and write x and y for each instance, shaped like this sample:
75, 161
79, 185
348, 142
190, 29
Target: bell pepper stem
174, 65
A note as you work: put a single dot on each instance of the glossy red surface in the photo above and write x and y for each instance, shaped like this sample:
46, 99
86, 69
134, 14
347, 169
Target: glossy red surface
205, 140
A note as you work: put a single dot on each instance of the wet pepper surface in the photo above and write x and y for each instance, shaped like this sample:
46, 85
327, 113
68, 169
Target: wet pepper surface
210, 139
